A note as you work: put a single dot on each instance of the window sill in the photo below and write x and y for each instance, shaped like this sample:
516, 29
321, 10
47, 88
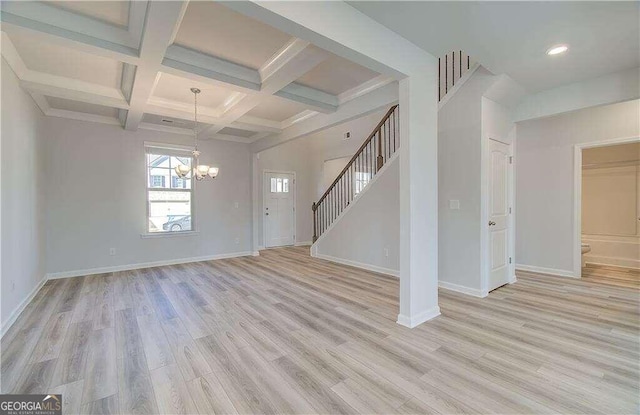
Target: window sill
168, 234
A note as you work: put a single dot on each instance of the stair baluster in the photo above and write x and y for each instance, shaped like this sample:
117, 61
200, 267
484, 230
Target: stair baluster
377, 149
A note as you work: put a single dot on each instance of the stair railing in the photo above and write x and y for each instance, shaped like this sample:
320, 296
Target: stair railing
450, 70
381, 144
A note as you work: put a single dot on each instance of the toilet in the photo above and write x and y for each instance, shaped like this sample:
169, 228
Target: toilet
585, 248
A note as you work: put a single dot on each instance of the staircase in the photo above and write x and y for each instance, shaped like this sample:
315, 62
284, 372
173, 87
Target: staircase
378, 148
381, 144
450, 69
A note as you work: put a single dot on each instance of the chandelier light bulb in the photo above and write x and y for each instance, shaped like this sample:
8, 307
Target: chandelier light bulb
203, 169
182, 171
200, 171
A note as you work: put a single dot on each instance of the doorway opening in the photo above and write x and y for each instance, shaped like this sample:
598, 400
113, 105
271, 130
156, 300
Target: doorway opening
607, 206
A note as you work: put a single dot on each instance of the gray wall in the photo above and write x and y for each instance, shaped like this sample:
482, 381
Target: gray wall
22, 196
96, 199
544, 178
306, 157
369, 227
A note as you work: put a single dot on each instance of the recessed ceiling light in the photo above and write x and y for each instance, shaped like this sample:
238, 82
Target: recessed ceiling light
558, 49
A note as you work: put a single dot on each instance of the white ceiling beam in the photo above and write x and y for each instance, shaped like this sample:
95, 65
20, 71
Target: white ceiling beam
189, 60
304, 115
50, 15
185, 108
58, 86
248, 120
161, 25
165, 128
364, 88
12, 23
257, 126
41, 102
236, 139
137, 14
315, 99
12, 56
47, 110
375, 100
82, 116
293, 60
287, 65
72, 89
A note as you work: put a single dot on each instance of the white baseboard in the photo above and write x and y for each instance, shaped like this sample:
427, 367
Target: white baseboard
368, 267
128, 267
462, 289
255, 253
542, 270
305, 243
355, 200
612, 261
513, 279
413, 321
20, 308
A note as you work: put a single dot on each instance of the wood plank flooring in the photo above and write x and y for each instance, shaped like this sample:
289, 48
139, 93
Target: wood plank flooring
287, 333
617, 276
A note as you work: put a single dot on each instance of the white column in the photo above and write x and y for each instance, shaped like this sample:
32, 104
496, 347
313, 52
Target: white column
419, 197
256, 182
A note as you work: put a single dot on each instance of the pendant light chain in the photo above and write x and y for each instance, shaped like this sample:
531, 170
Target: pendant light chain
195, 111
199, 171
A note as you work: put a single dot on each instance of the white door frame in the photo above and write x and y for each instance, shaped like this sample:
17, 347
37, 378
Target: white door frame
264, 203
485, 262
577, 195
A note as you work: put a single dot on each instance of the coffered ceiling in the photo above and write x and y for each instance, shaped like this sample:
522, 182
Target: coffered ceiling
132, 64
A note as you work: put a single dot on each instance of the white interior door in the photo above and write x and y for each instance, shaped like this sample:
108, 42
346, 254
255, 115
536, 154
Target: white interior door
498, 214
279, 191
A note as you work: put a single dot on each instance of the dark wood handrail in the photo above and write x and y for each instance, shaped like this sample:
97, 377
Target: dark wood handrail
355, 156
375, 151
378, 147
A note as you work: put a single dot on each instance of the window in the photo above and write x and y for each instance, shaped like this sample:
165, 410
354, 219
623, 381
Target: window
156, 181
279, 185
169, 198
360, 180
178, 183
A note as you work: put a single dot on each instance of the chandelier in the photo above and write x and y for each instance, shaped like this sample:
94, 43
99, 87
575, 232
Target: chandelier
200, 171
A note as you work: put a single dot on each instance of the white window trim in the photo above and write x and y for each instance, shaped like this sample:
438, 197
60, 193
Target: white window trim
150, 235
167, 234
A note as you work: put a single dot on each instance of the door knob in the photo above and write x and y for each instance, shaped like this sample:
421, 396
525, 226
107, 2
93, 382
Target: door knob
491, 223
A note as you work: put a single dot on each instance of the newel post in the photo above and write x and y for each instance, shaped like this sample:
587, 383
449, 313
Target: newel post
314, 207
379, 159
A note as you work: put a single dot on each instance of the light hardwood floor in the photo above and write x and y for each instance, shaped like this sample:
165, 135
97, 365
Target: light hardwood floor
286, 333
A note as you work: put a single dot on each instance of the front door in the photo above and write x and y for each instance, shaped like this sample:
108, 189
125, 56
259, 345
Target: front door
498, 214
278, 212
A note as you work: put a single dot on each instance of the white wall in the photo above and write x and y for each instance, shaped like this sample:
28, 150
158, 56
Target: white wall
459, 167
331, 169
306, 157
466, 122
544, 179
22, 197
604, 90
368, 232
96, 199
